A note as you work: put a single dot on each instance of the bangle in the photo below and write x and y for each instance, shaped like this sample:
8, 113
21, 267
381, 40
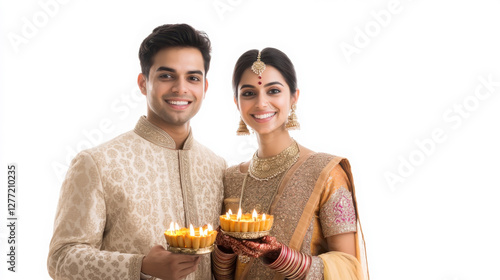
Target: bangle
291, 263
281, 258
223, 264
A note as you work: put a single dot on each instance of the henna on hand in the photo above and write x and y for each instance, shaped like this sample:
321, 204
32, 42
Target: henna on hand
223, 242
267, 247
230, 245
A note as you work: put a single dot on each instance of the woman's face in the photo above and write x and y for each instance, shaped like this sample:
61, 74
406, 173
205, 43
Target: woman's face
265, 103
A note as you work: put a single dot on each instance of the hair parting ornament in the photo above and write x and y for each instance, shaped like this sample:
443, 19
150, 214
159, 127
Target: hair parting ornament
258, 67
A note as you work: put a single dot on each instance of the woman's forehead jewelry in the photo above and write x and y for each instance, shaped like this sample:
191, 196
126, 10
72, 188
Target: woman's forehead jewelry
258, 67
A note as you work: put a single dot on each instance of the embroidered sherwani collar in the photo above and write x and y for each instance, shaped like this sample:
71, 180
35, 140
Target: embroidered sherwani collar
158, 136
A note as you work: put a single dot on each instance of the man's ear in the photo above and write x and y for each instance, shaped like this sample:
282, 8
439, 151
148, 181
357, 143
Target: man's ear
206, 87
142, 83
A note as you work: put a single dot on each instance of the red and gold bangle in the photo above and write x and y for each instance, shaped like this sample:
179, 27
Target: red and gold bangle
281, 258
296, 265
302, 269
291, 263
306, 265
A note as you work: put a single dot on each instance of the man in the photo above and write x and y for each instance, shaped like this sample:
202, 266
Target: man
119, 197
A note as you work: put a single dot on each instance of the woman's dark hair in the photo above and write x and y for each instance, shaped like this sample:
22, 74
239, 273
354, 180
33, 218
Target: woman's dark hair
173, 35
271, 57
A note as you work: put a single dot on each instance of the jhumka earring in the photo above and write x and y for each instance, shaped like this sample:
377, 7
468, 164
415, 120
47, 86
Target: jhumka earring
242, 128
292, 122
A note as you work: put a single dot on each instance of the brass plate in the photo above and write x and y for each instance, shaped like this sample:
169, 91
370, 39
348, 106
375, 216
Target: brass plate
191, 251
246, 235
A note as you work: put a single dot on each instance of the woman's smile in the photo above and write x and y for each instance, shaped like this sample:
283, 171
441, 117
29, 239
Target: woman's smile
263, 117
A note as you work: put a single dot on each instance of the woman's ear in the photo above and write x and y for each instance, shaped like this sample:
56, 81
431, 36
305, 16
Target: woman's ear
236, 103
295, 97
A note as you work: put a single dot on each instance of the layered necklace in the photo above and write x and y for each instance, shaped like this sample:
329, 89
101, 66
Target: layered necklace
266, 168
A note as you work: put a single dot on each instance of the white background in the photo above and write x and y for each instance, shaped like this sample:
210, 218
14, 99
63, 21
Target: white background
411, 72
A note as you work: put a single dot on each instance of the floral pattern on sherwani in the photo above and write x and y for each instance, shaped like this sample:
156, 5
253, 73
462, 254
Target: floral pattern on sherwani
118, 199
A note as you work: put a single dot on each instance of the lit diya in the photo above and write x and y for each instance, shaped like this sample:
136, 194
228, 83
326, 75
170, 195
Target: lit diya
246, 226
190, 241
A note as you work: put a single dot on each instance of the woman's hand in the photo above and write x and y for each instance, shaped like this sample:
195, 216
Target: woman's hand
267, 248
226, 243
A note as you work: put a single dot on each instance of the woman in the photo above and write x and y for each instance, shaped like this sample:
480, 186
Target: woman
311, 195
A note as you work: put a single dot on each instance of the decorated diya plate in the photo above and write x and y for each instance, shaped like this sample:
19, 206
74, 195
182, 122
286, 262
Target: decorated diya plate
246, 226
191, 251
190, 241
246, 235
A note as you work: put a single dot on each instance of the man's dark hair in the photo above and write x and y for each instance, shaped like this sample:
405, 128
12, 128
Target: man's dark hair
173, 35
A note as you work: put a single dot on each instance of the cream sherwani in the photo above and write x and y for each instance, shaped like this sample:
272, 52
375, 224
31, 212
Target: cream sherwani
118, 199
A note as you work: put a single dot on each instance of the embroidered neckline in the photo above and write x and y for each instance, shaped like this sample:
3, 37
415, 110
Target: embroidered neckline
158, 136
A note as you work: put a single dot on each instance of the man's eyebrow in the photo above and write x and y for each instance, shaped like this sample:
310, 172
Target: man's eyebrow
164, 68
195, 72
168, 69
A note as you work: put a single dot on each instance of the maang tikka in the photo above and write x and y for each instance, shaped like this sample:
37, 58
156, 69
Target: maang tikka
258, 67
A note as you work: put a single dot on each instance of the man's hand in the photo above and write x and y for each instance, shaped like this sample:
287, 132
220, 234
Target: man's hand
163, 264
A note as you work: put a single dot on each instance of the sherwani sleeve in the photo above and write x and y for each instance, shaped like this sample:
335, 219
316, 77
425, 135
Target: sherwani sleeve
75, 249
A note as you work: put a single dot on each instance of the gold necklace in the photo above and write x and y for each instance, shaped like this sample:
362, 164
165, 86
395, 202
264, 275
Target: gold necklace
267, 168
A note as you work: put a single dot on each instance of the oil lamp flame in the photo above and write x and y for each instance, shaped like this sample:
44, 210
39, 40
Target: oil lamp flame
238, 217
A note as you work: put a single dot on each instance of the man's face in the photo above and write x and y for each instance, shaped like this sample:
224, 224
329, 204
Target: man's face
175, 87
